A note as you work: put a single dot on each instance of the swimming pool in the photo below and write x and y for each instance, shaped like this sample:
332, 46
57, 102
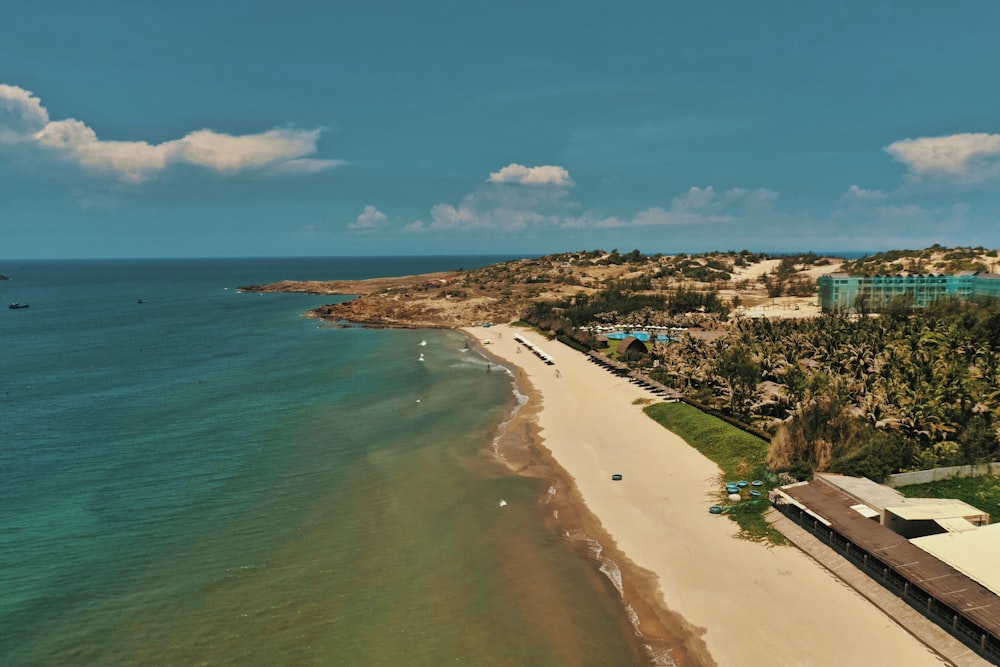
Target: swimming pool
641, 335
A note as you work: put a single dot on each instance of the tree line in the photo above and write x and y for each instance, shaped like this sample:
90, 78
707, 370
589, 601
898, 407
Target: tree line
862, 396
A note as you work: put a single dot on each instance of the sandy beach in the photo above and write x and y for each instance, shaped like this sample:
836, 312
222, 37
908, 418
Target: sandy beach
699, 592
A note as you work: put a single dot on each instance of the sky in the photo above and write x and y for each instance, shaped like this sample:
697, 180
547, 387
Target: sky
247, 129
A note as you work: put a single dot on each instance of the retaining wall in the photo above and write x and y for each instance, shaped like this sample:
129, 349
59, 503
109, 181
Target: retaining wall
936, 474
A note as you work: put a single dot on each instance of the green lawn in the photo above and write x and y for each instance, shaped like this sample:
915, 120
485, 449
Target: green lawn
980, 492
739, 454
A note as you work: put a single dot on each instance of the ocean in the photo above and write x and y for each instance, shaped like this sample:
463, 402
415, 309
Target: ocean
194, 475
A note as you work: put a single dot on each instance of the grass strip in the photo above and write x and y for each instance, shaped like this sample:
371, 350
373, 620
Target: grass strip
739, 454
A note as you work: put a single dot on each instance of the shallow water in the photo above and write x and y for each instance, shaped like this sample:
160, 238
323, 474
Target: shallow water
209, 477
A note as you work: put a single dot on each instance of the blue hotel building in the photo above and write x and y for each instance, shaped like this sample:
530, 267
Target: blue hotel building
840, 292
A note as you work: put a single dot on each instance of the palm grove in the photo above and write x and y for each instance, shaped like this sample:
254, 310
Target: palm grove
855, 395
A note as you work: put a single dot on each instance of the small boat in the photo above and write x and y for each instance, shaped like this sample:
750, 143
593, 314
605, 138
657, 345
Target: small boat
755, 493
757, 482
140, 301
616, 477
743, 484
715, 509
17, 306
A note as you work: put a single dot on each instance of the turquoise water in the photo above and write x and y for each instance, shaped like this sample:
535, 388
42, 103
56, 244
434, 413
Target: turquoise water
208, 477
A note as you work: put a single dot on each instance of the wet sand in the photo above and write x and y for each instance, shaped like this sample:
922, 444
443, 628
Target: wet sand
695, 591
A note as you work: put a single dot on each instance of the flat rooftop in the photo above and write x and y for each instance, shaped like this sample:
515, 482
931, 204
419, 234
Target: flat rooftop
864, 490
880, 497
918, 510
925, 571
976, 553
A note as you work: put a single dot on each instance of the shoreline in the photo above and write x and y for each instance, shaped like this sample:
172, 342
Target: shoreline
663, 636
698, 594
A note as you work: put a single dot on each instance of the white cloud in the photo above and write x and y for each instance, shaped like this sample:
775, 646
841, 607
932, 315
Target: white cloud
699, 202
855, 193
542, 175
473, 213
132, 160
414, 227
227, 153
655, 216
964, 158
890, 219
279, 150
650, 217
695, 199
494, 206
369, 220
697, 206
463, 216
21, 114
504, 209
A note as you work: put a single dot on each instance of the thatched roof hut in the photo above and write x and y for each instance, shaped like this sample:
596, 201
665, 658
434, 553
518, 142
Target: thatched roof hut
632, 349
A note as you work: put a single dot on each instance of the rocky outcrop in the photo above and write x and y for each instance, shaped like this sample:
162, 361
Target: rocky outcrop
417, 311
368, 286
433, 300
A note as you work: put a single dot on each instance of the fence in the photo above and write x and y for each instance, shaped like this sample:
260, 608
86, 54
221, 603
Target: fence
970, 634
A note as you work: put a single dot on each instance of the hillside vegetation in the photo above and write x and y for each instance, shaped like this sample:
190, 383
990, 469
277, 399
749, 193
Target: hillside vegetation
930, 260
858, 395
862, 396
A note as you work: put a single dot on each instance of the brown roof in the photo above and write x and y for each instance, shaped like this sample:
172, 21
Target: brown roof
924, 571
632, 346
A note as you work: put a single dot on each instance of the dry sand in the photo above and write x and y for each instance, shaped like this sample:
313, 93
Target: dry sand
710, 597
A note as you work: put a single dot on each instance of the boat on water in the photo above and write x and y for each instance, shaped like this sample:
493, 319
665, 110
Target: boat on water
17, 306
